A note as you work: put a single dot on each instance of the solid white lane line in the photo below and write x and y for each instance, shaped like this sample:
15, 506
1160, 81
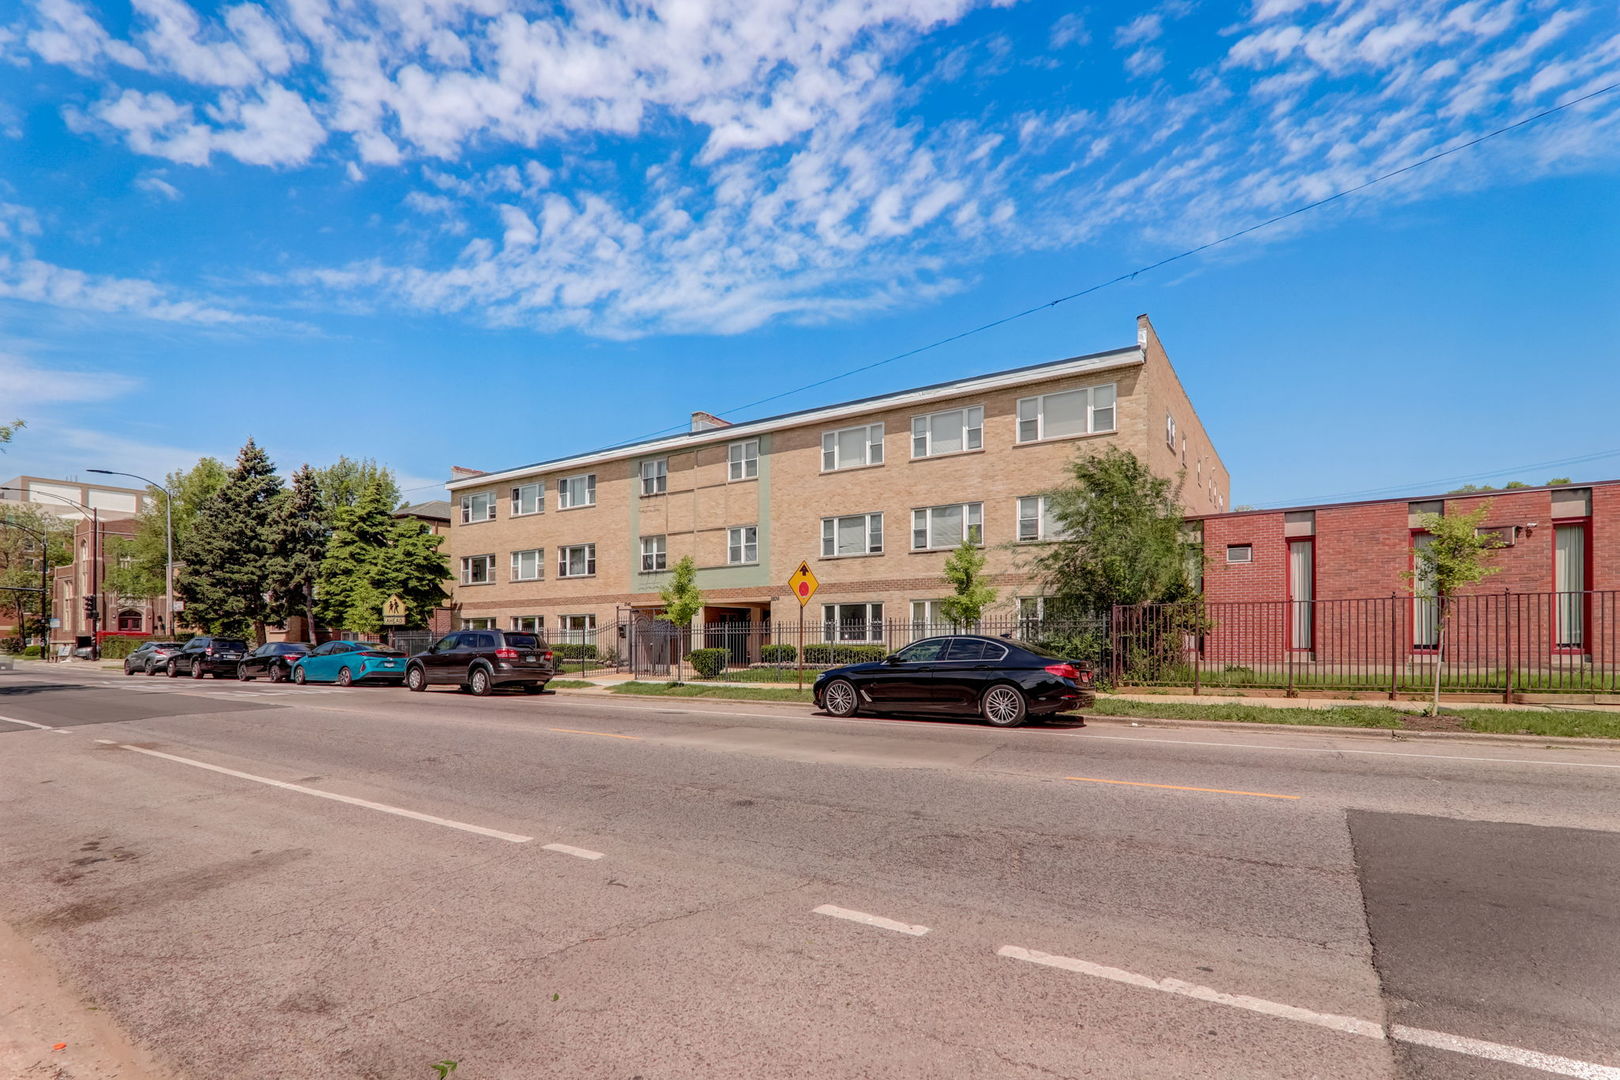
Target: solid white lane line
871, 920
1530, 1059
1347, 1024
349, 799
577, 852
27, 723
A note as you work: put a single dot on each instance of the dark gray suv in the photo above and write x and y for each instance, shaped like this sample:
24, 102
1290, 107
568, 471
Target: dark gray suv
206, 655
481, 660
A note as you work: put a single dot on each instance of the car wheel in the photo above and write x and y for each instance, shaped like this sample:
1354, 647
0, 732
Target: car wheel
1004, 706
197, 671
241, 673
126, 668
416, 679
298, 675
171, 670
149, 671
840, 698
479, 683
276, 674
345, 677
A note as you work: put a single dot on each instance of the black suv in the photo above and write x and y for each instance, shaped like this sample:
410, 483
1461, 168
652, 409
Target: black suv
151, 658
481, 660
204, 655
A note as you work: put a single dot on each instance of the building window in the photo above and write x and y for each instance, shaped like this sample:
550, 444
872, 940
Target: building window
1031, 612
947, 432
939, 527
1425, 598
478, 624
129, 621
530, 624
852, 446
1170, 430
742, 545
742, 460
529, 499
1035, 520
478, 507
529, 565
579, 560
1239, 553
1086, 411
926, 613
1301, 594
478, 570
577, 629
852, 622
653, 555
1569, 584
576, 491
655, 476
857, 534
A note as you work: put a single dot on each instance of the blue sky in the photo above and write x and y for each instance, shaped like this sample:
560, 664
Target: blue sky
481, 232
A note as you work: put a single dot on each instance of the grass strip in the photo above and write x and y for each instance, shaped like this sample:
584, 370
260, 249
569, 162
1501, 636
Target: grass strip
569, 684
1570, 723
727, 693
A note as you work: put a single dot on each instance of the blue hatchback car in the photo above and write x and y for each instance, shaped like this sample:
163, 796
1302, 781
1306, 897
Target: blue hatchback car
350, 662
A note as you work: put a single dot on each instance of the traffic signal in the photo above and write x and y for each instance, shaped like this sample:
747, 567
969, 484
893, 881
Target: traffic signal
90, 606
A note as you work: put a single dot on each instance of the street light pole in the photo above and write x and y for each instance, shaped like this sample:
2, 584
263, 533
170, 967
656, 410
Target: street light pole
168, 541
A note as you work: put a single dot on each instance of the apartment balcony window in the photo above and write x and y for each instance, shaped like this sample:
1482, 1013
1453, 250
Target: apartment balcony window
850, 447
529, 499
936, 528
1086, 411
948, 432
857, 534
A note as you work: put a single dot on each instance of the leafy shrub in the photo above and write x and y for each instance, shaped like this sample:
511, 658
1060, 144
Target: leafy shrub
778, 654
11, 645
574, 651
708, 662
32, 651
833, 654
116, 648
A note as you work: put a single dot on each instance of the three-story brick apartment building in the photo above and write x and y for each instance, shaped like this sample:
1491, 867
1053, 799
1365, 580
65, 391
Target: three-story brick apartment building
872, 493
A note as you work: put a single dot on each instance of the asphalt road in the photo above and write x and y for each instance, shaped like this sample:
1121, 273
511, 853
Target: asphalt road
263, 881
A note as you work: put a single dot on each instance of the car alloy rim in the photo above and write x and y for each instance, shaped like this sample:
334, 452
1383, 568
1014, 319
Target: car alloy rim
840, 697
1002, 704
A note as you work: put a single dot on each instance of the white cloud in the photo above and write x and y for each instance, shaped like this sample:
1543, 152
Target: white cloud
156, 185
1069, 30
1145, 61
29, 384
44, 283
1140, 30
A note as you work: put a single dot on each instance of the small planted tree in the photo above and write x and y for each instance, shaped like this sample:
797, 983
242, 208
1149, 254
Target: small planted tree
964, 572
1455, 556
682, 602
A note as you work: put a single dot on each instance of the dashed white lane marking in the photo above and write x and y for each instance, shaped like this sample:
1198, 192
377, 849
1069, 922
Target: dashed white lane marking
27, 723
577, 852
1530, 1059
1349, 1025
871, 920
397, 811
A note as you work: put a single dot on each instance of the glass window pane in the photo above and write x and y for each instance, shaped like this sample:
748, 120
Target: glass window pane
874, 452
874, 532
945, 432
1065, 414
945, 530
852, 536
852, 447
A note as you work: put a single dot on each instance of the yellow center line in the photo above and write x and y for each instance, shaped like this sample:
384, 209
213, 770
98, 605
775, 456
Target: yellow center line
604, 734
1178, 787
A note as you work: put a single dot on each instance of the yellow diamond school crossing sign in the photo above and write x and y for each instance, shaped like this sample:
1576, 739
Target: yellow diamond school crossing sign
803, 583
393, 611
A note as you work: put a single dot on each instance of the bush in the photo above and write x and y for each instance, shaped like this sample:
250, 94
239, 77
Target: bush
11, 645
708, 662
778, 654
32, 652
574, 651
834, 654
116, 648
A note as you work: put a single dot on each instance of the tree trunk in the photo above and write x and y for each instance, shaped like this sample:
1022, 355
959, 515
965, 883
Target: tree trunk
309, 615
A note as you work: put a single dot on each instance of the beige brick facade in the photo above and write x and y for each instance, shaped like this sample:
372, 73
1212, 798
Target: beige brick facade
786, 495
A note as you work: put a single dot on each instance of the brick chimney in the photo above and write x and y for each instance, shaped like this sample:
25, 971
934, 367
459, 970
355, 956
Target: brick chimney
461, 472
702, 421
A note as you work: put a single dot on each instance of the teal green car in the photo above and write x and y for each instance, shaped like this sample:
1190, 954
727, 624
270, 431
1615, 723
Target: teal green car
350, 662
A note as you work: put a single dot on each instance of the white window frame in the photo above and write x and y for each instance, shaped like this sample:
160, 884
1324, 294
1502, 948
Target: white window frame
529, 624
467, 562
539, 573
654, 476
739, 540
563, 560
926, 613
537, 489
654, 554
872, 448
580, 635
1032, 411
742, 460
480, 623
922, 431
972, 518
1046, 527
1248, 554
832, 629
1169, 431
872, 528
467, 500
564, 496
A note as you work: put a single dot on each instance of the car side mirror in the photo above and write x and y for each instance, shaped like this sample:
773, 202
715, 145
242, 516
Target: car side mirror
892, 658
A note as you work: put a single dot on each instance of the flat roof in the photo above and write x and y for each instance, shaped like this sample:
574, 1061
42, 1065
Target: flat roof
1050, 369
1405, 498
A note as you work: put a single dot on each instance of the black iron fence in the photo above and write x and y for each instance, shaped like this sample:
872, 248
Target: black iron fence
1499, 643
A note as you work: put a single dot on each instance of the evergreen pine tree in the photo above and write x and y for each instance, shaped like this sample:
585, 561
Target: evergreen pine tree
226, 555
373, 555
299, 531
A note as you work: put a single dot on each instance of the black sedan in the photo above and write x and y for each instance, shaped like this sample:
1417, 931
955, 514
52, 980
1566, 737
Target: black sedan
273, 660
1004, 681
150, 657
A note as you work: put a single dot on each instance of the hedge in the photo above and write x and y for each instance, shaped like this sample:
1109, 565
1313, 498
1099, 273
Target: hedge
573, 651
11, 645
116, 648
778, 654
708, 662
834, 654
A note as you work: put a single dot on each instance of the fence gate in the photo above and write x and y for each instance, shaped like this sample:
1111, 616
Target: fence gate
649, 646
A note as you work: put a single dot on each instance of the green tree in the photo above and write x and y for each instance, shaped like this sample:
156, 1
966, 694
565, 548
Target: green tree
22, 528
372, 555
682, 602
299, 533
1120, 538
139, 561
9, 431
226, 553
1456, 555
346, 480
964, 572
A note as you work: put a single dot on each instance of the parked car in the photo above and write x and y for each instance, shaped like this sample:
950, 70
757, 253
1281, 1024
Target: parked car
274, 660
349, 662
7, 663
481, 660
150, 657
1004, 681
207, 655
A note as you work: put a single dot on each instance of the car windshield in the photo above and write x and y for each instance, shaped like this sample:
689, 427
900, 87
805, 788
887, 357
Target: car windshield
228, 643
1039, 650
163, 645
292, 647
522, 641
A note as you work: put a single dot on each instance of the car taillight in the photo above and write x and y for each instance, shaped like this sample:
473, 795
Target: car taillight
506, 654
548, 657
1063, 671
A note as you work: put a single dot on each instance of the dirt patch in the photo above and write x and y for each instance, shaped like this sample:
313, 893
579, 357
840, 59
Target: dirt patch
1443, 722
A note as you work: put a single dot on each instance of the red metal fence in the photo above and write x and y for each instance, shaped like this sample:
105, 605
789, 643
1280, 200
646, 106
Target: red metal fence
1499, 643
